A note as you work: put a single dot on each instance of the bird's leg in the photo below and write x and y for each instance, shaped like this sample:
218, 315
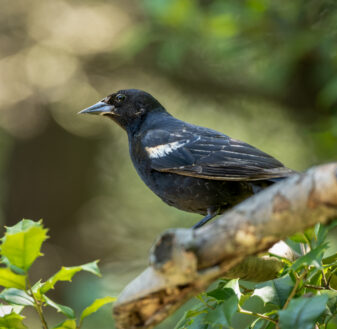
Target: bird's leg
211, 213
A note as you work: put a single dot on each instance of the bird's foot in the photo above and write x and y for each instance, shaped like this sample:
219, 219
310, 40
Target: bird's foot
211, 213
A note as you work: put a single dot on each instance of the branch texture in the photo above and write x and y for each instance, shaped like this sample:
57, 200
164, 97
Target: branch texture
183, 262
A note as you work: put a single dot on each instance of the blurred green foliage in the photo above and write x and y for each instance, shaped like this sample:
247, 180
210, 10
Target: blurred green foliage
20, 247
258, 70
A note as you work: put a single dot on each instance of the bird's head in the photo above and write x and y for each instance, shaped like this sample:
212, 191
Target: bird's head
126, 107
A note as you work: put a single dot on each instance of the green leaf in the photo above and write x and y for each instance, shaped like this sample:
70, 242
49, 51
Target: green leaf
313, 257
331, 260
296, 247
332, 301
244, 298
312, 232
221, 294
257, 324
193, 319
331, 326
92, 267
36, 290
271, 325
67, 273
7, 309
67, 311
314, 276
198, 322
225, 291
22, 243
275, 291
234, 284
299, 238
9, 279
67, 324
302, 312
97, 304
17, 297
322, 232
333, 278
224, 311
307, 236
12, 321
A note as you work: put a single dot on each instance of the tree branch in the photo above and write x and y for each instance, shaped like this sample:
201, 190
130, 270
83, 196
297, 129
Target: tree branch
183, 262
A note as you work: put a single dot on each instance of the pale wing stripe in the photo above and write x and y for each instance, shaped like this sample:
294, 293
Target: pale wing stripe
162, 150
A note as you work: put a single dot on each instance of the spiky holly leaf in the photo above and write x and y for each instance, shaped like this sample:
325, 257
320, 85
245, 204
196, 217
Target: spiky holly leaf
67, 273
21, 244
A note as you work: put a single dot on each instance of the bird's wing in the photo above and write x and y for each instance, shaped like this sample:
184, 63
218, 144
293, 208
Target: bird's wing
205, 153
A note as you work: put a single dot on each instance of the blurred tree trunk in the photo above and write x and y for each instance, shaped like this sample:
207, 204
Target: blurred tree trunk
50, 176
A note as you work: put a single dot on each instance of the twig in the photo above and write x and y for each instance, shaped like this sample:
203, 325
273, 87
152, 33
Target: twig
204, 302
37, 306
293, 292
324, 279
259, 315
311, 286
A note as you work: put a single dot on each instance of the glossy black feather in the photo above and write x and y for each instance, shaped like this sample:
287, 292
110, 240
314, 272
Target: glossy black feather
209, 154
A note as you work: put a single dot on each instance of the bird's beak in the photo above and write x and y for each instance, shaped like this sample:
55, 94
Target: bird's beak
98, 108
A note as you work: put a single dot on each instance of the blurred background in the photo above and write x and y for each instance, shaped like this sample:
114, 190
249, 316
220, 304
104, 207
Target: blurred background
258, 70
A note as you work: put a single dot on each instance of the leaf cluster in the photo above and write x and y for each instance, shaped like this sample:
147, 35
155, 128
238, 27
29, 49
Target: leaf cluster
20, 247
303, 296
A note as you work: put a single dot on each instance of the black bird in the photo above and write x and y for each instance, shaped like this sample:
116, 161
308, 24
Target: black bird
189, 167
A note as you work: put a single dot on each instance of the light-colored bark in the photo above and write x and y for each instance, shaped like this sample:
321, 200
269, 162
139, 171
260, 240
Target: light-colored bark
183, 262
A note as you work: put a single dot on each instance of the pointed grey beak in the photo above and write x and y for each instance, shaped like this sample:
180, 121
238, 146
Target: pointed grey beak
98, 108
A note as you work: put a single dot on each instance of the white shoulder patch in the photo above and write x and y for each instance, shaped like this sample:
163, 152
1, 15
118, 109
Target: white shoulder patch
162, 150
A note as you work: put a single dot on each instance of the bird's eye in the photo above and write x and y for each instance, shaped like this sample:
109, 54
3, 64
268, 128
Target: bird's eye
120, 98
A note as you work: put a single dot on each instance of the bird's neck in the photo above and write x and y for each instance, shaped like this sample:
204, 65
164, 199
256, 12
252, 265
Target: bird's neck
147, 121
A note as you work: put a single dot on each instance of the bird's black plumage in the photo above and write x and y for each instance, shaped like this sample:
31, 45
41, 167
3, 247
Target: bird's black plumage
192, 168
